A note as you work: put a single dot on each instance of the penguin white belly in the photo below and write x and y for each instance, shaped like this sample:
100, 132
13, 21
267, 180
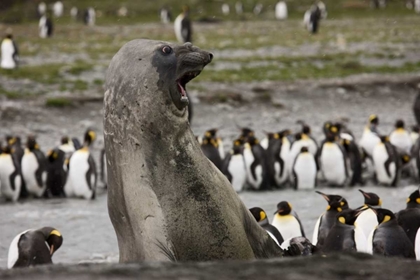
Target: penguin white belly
273, 237
380, 156
79, 166
307, 19
264, 143
237, 170
43, 29
249, 159
316, 229
281, 10
367, 221
293, 153
369, 141
13, 254
332, 164
178, 28
221, 148
7, 51
29, 166
279, 177
401, 140
305, 171
312, 147
284, 155
7, 167
287, 225
417, 245
360, 239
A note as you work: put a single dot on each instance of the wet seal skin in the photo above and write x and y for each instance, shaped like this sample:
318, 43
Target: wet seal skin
166, 200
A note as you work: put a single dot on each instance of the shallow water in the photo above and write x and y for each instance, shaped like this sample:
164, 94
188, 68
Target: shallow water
89, 235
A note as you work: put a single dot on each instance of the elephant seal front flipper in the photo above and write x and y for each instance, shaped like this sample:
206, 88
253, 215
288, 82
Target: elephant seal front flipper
166, 200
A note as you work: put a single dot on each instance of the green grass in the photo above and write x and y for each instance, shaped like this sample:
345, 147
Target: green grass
58, 102
10, 94
80, 85
78, 67
46, 74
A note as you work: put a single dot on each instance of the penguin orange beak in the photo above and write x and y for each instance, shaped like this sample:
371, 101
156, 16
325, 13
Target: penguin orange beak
52, 249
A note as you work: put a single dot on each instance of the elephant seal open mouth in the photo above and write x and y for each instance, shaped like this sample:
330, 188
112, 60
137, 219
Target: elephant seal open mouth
166, 200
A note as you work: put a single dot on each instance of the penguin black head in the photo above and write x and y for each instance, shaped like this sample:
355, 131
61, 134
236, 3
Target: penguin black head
304, 149
384, 139
348, 216
306, 129
413, 201
211, 133
90, 136
283, 208
31, 143
384, 215
65, 140
238, 146
415, 128
258, 213
298, 136
53, 238
373, 119
335, 202
271, 135
399, 124
327, 126
252, 140
284, 133
246, 132
7, 149
371, 199
330, 138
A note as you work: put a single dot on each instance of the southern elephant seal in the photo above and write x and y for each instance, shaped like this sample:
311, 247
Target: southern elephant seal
166, 200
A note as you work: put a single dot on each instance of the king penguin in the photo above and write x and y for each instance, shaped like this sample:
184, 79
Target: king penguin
333, 162
234, 166
34, 247
370, 136
10, 175
261, 217
82, 176
211, 147
34, 168
281, 10
182, 25
45, 27
386, 162
389, 238
367, 220
57, 172
276, 161
409, 218
400, 138
345, 235
287, 221
304, 170
336, 204
254, 156
9, 53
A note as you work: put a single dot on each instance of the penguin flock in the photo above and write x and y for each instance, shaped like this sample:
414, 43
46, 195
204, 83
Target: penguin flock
367, 229
283, 159
68, 170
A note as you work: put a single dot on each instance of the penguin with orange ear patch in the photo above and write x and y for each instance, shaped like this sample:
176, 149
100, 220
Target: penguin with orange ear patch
261, 217
212, 148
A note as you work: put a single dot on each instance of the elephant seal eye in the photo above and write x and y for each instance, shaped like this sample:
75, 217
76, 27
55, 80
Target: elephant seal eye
167, 50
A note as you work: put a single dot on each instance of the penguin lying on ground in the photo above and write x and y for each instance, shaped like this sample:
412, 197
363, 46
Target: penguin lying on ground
34, 247
261, 217
367, 220
34, 168
389, 239
234, 166
287, 221
345, 235
82, 176
336, 204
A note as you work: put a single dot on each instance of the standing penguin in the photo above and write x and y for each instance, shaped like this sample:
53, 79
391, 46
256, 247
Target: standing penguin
57, 172
234, 166
182, 25
336, 204
367, 220
304, 170
82, 176
165, 15
287, 221
261, 217
281, 10
254, 156
211, 147
34, 247
345, 235
370, 137
276, 161
389, 239
400, 138
409, 218
45, 27
34, 168
9, 53
312, 18
386, 162
354, 161
333, 162
10, 175
89, 16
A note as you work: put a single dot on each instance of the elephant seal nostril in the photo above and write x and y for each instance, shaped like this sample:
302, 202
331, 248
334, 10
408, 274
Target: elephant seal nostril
210, 57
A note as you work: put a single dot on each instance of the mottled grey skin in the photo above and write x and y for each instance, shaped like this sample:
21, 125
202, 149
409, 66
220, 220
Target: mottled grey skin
166, 200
